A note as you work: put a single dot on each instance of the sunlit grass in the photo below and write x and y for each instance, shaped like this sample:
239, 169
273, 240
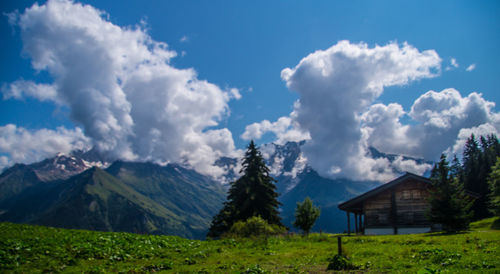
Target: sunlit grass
25, 248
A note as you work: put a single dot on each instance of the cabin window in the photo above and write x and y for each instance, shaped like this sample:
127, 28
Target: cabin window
378, 219
406, 195
382, 218
416, 194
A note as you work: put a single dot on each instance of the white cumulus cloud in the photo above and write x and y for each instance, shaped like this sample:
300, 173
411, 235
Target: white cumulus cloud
285, 129
438, 118
442, 115
25, 146
442, 122
336, 86
21, 88
119, 85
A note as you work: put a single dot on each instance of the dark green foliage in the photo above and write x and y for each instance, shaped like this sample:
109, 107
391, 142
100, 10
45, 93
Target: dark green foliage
494, 185
305, 215
449, 205
253, 194
339, 262
255, 227
478, 158
255, 269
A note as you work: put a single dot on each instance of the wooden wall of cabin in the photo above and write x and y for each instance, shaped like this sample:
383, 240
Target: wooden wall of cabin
377, 210
411, 204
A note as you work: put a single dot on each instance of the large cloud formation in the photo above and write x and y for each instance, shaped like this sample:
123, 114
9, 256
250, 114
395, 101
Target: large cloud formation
119, 86
338, 84
442, 119
338, 88
25, 146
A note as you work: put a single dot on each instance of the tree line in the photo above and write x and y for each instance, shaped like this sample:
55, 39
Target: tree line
468, 189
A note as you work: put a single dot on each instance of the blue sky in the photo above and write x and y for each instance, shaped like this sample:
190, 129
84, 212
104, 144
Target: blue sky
247, 44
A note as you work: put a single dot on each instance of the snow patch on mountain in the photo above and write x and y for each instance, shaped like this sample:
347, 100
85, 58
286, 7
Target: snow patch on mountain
298, 167
277, 165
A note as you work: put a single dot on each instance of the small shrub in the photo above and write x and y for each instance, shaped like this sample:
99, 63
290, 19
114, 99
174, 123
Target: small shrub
339, 262
255, 269
254, 227
427, 270
189, 261
157, 267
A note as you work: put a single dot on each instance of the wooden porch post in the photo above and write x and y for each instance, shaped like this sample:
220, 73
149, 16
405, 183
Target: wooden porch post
356, 222
394, 212
348, 223
360, 223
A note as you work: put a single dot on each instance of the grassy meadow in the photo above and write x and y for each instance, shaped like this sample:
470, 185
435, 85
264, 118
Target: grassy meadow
31, 249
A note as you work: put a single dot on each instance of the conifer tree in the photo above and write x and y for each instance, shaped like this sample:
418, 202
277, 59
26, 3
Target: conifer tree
494, 185
253, 194
449, 205
471, 157
456, 170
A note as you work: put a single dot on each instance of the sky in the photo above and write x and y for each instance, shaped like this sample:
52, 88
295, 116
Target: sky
192, 81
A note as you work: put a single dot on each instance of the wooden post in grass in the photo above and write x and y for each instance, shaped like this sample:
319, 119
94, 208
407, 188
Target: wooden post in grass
339, 245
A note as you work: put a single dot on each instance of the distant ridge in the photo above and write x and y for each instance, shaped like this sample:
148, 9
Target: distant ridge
130, 197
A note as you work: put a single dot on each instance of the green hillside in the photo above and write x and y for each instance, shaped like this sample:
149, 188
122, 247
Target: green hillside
93, 200
32, 249
127, 197
16, 179
98, 201
182, 191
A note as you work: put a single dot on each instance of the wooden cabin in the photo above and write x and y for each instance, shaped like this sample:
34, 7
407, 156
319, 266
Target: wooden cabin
397, 207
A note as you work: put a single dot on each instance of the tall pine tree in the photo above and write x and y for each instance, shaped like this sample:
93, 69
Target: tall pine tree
449, 205
253, 194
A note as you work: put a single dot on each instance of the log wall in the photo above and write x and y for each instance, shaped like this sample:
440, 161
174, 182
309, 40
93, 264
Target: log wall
410, 199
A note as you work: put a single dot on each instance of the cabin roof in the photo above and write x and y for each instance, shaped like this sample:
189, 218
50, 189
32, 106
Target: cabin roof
354, 203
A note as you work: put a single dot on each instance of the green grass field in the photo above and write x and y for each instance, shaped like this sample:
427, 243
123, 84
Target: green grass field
28, 249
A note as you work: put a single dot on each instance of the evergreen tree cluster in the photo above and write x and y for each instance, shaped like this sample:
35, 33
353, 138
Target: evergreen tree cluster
478, 159
494, 184
449, 205
462, 191
253, 194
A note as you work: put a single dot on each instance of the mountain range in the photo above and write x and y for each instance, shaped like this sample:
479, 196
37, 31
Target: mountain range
131, 197
83, 191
